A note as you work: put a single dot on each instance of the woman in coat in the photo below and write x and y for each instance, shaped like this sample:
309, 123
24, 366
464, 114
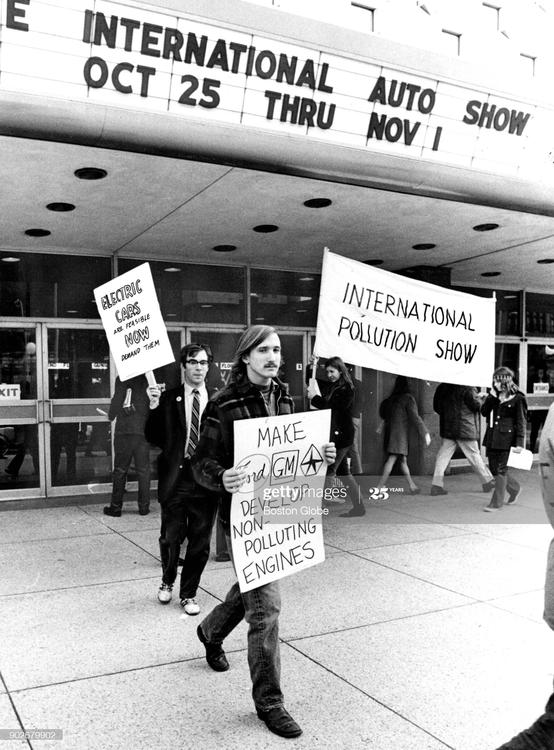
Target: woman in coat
397, 412
506, 411
339, 397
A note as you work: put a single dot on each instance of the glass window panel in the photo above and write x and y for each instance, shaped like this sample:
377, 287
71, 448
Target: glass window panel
78, 363
40, 285
540, 369
508, 304
539, 314
19, 450
196, 293
284, 298
19, 361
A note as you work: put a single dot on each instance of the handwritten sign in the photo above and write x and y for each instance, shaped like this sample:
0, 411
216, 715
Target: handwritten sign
131, 316
381, 320
276, 516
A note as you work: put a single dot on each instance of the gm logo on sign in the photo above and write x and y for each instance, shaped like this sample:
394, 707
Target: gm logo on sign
284, 466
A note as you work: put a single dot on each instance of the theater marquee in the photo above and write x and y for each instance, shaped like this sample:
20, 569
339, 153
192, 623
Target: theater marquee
128, 57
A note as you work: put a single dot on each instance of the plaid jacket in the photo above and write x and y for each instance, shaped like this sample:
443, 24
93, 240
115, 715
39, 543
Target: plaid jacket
215, 450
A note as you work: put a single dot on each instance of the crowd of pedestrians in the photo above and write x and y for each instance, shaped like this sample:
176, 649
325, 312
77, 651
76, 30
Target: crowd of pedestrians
193, 427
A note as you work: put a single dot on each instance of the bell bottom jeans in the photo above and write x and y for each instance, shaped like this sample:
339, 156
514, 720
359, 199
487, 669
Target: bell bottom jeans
260, 608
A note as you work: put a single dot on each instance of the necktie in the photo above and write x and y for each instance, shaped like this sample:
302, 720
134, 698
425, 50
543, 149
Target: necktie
194, 423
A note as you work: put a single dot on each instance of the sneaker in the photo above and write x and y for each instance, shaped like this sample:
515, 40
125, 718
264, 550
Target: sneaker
190, 606
512, 497
164, 593
113, 512
436, 489
488, 486
490, 508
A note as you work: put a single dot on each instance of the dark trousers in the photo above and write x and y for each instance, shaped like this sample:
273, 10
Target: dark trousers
187, 514
498, 464
131, 448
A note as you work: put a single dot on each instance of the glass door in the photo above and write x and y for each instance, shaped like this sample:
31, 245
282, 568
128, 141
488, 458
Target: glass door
22, 412
77, 428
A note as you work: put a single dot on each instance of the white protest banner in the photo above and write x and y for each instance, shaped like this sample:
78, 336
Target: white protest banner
131, 316
276, 516
377, 319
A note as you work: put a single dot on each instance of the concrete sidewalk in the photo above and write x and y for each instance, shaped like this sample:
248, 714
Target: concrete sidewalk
422, 630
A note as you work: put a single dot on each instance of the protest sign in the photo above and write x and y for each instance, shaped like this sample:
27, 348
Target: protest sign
276, 516
131, 316
377, 319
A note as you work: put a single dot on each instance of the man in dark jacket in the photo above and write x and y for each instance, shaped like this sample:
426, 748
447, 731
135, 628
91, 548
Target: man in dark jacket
187, 510
540, 735
458, 407
253, 391
129, 407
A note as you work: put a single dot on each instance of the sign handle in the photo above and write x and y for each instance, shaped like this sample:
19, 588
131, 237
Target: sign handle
149, 375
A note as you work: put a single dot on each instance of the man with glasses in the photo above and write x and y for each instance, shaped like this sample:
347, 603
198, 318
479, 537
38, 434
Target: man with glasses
187, 510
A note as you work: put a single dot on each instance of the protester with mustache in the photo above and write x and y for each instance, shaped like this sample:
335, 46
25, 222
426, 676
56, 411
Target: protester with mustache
253, 390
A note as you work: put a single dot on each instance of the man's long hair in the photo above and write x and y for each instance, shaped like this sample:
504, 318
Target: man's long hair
250, 339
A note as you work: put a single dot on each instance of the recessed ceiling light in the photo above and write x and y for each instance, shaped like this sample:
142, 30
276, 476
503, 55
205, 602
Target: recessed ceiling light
546, 260
260, 318
510, 296
424, 246
37, 232
491, 273
72, 312
265, 228
90, 173
306, 278
301, 311
485, 227
206, 305
60, 207
171, 315
11, 259
172, 269
318, 203
224, 248
374, 262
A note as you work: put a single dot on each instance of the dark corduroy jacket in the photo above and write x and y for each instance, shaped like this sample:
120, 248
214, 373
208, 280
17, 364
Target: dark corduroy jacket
215, 450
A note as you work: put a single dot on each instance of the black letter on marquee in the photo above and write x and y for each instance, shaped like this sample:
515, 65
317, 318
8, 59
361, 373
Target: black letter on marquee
89, 80
13, 12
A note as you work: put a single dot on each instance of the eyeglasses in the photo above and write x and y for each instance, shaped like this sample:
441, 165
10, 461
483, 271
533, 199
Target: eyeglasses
195, 362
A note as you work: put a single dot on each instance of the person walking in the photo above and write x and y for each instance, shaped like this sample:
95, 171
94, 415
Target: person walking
339, 397
253, 390
459, 409
540, 735
505, 408
398, 411
129, 407
187, 511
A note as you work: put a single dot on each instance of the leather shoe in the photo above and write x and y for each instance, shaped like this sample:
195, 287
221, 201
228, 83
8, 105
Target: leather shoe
488, 486
144, 511
437, 489
279, 721
109, 511
215, 655
357, 510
